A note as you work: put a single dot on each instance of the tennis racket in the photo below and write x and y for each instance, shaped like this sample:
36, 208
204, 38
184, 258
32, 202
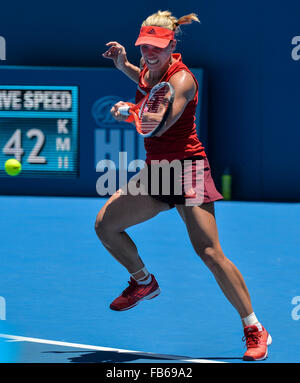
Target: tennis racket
151, 113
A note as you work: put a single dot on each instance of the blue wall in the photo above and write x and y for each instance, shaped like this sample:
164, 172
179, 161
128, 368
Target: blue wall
249, 50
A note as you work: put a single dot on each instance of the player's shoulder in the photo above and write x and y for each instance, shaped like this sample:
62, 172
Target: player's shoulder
184, 81
182, 75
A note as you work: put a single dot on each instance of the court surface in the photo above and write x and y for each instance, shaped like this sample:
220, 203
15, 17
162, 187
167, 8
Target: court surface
57, 281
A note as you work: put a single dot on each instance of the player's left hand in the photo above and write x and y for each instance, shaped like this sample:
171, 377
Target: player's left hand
115, 111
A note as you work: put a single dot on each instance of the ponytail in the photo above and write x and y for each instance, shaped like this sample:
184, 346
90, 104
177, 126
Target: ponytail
165, 19
187, 19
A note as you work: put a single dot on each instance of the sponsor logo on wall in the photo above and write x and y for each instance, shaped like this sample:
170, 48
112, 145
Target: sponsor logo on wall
113, 137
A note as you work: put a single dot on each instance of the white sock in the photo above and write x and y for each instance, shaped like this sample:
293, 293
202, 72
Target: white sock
251, 320
144, 280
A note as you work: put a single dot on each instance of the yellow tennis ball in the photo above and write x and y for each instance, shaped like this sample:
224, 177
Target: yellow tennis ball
13, 167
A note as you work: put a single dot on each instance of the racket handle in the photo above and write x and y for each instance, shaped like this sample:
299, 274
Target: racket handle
124, 110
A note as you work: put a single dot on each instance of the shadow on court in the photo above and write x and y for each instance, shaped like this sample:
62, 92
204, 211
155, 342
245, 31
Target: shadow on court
115, 357
31, 352
104, 357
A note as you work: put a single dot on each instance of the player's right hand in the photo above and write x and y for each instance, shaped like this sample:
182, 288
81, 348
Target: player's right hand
117, 53
115, 111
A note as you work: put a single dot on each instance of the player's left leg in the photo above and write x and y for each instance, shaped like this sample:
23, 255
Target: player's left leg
202, 229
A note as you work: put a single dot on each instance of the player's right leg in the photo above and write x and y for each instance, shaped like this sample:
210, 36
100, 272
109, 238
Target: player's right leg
120, 212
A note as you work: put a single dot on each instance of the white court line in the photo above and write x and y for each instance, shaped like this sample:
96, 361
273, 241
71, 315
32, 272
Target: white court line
16, 338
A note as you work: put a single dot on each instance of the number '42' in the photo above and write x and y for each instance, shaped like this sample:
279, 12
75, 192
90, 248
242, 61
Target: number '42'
14, 148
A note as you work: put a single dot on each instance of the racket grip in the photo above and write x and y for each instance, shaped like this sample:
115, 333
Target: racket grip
124, 110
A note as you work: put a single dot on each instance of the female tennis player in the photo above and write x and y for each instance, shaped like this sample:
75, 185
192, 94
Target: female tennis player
177, 141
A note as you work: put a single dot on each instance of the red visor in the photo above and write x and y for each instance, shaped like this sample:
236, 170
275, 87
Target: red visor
157, 36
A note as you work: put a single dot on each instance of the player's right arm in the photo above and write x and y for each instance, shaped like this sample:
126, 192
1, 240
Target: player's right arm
117, 53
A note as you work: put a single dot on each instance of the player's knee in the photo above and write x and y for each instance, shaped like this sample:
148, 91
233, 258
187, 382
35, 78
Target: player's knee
105, 226
211, 256
102, 226
98, 226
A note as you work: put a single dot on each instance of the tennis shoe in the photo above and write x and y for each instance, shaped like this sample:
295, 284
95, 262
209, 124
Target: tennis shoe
257, 341
134, 294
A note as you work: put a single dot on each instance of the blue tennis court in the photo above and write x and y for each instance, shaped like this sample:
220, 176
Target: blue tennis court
57, 281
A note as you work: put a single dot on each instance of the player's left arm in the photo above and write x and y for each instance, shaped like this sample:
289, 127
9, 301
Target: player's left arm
185, 89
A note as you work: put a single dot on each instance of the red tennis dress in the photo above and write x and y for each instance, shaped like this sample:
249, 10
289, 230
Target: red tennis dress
179, 142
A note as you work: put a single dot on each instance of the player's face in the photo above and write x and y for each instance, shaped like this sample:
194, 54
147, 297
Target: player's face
156, 58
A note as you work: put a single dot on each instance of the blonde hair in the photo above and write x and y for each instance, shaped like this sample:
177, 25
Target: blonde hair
165, 19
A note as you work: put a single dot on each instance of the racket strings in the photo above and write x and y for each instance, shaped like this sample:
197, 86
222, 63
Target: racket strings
156, 104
